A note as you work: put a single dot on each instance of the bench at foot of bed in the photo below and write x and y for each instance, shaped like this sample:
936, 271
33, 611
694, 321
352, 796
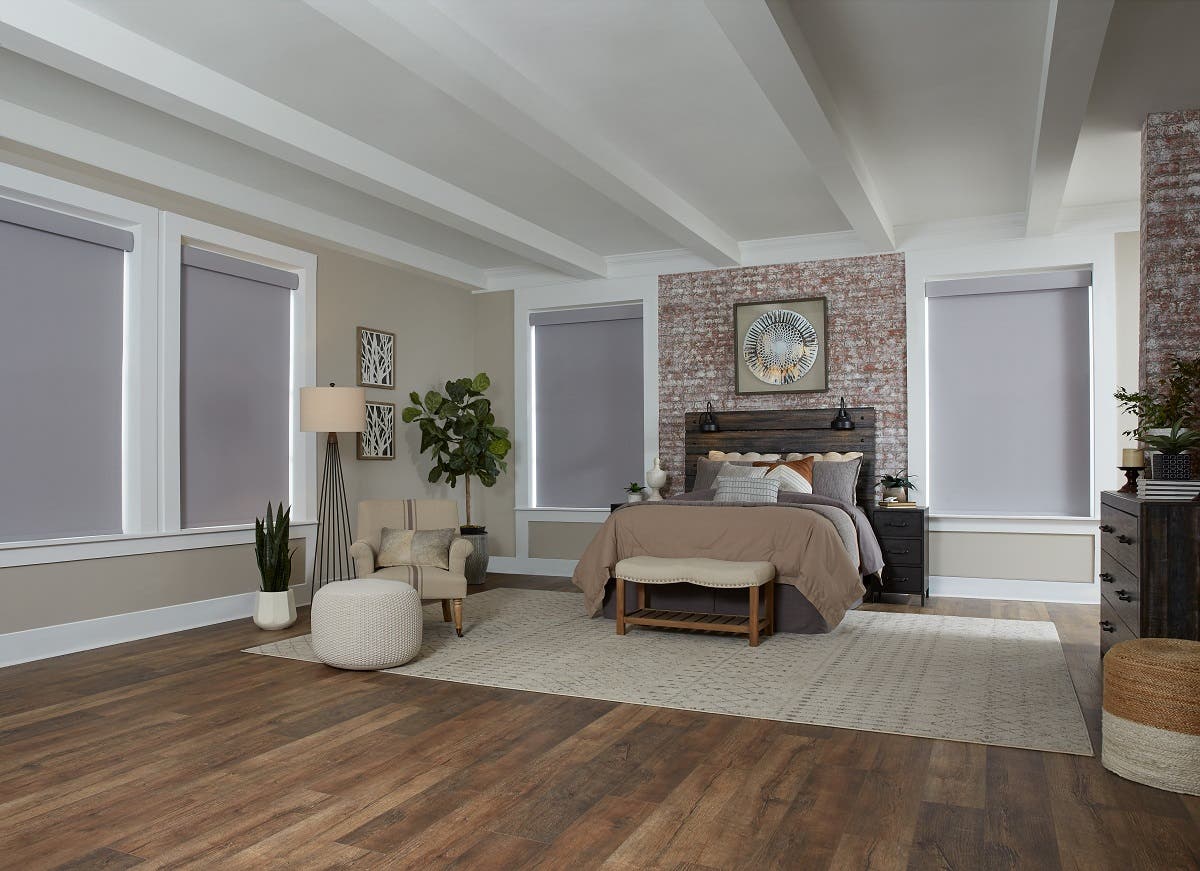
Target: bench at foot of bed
758, 578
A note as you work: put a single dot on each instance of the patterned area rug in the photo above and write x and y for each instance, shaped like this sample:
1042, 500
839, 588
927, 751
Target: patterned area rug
968, 679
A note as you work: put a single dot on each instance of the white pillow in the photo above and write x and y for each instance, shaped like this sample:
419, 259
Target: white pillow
753, 456
790, 481
746, 490
728, 470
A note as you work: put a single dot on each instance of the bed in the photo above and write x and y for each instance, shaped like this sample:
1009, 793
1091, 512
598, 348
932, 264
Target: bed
822, 548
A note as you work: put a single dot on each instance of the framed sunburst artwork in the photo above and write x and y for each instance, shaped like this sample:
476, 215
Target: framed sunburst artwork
779, 346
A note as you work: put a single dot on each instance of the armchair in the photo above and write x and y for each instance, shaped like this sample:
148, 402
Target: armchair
431, 582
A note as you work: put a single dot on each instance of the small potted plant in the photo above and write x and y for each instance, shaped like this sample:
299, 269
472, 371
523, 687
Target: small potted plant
636, 492
897, 486
1172, 463
275, 607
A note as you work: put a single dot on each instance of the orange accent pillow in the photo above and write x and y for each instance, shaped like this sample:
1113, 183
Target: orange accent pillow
803, 467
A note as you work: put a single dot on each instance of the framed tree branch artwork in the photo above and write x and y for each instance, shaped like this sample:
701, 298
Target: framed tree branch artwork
377, 441
779, 347
376, 358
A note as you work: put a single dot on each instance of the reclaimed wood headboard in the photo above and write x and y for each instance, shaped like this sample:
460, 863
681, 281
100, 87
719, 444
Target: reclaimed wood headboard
781, 432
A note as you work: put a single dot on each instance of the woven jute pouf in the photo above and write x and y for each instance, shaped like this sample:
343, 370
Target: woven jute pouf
1151, 728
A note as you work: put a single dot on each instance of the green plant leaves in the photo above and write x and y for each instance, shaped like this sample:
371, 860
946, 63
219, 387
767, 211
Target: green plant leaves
271, 538
409, 414
481, 382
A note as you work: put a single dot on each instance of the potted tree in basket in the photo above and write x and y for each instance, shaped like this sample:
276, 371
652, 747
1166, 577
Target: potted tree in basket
275, 607
458, 429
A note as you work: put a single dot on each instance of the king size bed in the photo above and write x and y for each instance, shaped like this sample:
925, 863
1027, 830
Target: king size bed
821, 543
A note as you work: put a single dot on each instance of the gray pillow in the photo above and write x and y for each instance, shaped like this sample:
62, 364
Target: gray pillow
836, 480
707, 471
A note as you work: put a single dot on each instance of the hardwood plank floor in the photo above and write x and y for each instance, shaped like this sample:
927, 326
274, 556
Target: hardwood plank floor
182, 752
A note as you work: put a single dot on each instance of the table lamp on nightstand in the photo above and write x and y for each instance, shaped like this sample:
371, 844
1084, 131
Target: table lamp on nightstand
332, 410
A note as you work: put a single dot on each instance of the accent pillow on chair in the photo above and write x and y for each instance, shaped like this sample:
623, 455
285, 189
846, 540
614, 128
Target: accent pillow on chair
415, 547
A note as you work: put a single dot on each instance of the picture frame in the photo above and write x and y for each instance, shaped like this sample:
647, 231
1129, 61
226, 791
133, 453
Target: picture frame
377, 441
776, 329
376, 358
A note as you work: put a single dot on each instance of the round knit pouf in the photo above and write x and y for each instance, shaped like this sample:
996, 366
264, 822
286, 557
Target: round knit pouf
1151, 728
366, 624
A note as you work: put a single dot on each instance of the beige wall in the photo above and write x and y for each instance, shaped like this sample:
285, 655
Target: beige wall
434, 324
1012, 556
549, 540
494, 355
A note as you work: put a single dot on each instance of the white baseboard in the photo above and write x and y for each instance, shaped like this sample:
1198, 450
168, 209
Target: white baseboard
48, 641
512, 565
1021, 591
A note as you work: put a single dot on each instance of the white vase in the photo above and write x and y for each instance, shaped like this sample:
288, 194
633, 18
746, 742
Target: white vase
656, 479
275, 610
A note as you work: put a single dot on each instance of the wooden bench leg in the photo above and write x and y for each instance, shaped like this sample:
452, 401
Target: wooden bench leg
620, 606
754, 616
770, 588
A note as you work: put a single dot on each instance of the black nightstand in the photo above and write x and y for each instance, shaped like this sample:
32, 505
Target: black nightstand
903, 535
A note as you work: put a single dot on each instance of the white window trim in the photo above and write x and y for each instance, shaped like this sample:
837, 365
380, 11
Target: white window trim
596, 292
176, 232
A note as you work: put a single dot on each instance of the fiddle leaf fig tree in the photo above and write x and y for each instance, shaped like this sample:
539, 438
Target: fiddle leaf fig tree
458, 429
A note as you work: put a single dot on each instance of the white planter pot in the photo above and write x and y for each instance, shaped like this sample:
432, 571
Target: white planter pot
634, 497
275, 610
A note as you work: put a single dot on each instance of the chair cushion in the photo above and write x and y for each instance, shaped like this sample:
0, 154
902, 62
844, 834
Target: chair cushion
430, 582
694, 570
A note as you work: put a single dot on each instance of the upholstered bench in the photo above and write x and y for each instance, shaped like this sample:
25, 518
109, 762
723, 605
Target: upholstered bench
646, 571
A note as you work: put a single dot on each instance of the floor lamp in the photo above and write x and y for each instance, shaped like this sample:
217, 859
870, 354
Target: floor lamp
332, 410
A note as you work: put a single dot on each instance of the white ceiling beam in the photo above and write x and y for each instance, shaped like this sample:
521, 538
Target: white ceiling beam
1074, 39
64, 139
86, 45
766, 36
427, 42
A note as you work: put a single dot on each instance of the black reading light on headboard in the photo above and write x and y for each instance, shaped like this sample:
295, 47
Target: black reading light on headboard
708, 420
842, 421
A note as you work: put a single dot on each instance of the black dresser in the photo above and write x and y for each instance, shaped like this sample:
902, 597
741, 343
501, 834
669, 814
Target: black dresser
1149, 569
903, 535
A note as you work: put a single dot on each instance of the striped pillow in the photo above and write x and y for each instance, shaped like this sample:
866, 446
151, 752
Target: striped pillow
747, 490
790, 481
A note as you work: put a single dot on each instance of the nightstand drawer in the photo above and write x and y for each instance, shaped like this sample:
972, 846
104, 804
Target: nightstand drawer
903, 551
1121, 589
898, 523
1112, 628
904, 579
1119, 536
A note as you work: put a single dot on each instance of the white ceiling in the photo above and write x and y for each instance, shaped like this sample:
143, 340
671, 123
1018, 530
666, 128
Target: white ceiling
552, 134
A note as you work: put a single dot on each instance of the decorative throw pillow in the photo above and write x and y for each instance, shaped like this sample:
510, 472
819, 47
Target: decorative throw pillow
707, 471
790, 481
415, 547
837, 480
802, 467
743, 489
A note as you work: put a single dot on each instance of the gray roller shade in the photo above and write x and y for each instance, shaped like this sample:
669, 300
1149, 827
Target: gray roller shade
49, 221
1010, 388
588, 412
235, 338
223, 263
61, 303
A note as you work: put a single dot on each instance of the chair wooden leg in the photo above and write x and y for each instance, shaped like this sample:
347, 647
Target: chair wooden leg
620, 606
770, 592
754, 616
456, 605
446, 617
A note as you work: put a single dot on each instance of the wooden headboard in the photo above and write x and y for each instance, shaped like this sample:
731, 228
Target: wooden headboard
782, 432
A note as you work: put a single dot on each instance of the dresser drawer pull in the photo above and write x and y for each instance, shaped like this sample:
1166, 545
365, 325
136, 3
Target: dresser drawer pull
899, 525
899, 550
1107, 577
1104, 527
1107, 626
1124, 596
1124, 539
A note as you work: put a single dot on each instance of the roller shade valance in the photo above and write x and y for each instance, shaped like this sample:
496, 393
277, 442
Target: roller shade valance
60, 224
1057, 279
226, 265
631, 311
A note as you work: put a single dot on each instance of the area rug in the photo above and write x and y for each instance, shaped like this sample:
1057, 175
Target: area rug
983, 681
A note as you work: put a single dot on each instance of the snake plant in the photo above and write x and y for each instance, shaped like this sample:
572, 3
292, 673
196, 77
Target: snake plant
271, 538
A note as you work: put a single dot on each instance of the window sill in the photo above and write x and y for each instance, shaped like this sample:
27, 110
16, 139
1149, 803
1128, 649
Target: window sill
28, 553
1020, 525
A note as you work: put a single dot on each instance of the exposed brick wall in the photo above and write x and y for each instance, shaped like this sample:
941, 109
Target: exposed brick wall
866, 343
1170, 240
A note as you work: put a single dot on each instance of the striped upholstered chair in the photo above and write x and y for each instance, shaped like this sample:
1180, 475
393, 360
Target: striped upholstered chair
448, 585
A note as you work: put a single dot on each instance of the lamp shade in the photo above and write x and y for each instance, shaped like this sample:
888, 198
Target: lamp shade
332, 409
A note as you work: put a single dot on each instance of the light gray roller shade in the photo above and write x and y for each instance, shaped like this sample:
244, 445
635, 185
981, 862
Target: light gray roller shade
1056, 279
49, 221
223, 263
235, 337
61, 302
588, 413
1010, 385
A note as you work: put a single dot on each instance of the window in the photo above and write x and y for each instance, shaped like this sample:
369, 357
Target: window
235, 395
587, 405
1010, 395
62, 286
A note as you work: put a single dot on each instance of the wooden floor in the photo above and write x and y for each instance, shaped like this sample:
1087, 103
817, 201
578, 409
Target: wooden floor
180, 751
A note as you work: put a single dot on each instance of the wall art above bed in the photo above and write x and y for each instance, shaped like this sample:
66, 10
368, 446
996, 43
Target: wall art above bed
779, 347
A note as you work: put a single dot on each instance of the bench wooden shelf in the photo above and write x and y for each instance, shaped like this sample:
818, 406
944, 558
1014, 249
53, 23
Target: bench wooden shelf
736, 623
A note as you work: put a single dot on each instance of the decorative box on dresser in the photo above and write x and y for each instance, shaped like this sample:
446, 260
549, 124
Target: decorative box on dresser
1149, 569
903, 535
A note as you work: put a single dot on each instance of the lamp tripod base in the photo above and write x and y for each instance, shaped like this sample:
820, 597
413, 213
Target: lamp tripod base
332, 548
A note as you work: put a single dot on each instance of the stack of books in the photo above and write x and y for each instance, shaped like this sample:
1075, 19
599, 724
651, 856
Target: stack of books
1169, 491
903, 504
